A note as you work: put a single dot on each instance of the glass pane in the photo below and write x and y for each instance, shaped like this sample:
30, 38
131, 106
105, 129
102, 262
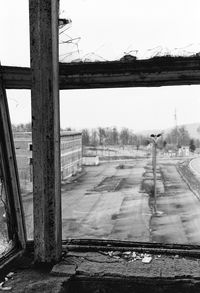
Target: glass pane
20, 113
108, 30
5, 244
140, 174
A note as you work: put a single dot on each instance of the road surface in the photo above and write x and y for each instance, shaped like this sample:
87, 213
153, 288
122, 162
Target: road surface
180, 222
123, 214
114, 201
195, 166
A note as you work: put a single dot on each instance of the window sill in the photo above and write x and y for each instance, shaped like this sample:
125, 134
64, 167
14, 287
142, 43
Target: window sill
97, 271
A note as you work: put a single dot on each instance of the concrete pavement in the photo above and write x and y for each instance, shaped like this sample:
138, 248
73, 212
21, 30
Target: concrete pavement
126, 213
122, 214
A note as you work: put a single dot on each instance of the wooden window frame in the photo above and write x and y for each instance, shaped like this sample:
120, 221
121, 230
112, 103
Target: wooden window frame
45, 77
14, 208
153, 72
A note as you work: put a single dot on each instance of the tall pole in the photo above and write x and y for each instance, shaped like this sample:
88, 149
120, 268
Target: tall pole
154, 172
176, 126
154, 162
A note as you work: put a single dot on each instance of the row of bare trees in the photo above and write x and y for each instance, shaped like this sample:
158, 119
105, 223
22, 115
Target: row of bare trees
100, 136
179, 137
22, 127
174, 139
112, 136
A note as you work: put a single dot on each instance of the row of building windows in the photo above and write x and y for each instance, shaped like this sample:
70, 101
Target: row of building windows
71, 155
70, 144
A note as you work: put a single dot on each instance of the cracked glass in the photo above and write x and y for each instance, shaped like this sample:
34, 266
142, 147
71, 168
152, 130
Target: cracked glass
109, 30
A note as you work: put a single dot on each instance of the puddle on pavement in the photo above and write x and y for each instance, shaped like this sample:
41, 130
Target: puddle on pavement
124, 166
109, 184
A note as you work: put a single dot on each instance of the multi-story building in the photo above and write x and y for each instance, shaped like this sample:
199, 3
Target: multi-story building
71, 153
71, 156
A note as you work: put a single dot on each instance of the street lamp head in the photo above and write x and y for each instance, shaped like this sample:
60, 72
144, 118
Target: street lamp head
156, 135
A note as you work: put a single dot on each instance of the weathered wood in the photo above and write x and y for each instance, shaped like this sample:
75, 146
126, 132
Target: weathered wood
16, 77
129, 244
14, 208
141, 249
45, 130
160, 71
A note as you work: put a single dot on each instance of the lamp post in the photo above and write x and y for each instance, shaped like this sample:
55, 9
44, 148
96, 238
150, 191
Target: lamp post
154, 138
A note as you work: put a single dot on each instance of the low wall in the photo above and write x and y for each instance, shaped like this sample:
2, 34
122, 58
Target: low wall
90, 161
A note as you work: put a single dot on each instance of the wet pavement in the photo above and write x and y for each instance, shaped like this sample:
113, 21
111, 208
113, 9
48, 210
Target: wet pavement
127, 213
180, 221
122, 214
124, 209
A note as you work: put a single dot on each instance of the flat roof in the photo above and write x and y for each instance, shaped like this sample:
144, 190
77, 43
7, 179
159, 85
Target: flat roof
24, 134
68, 133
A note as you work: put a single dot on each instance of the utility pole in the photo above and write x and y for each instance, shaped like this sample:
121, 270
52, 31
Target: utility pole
176, 127
154, 138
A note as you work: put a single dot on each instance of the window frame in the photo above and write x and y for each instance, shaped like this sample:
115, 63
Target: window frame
16, 223
160, 71
154, 72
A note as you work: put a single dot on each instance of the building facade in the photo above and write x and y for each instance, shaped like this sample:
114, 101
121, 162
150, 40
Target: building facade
71, 156
71, 153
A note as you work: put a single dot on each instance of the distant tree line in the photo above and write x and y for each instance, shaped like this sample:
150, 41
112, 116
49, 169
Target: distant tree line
22, 127
26, 127
174, 139
112, 136
180, 137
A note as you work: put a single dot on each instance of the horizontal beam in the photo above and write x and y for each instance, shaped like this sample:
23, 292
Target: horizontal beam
16, 77
154, 72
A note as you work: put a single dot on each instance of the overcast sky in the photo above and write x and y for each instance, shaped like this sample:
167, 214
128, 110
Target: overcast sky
106, 29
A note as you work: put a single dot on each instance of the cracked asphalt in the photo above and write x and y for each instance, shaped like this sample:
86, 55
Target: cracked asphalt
126, 213
121, 214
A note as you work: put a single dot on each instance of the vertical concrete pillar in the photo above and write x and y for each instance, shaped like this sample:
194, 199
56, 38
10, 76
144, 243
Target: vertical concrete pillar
45, 129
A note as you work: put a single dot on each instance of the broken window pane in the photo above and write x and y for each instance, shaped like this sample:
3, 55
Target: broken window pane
108, 30
140, 174
20, 114
5, 243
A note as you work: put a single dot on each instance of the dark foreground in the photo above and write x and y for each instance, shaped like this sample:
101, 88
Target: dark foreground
92, 272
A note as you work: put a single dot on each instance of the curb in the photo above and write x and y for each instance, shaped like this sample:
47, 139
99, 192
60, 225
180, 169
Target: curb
187, 181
